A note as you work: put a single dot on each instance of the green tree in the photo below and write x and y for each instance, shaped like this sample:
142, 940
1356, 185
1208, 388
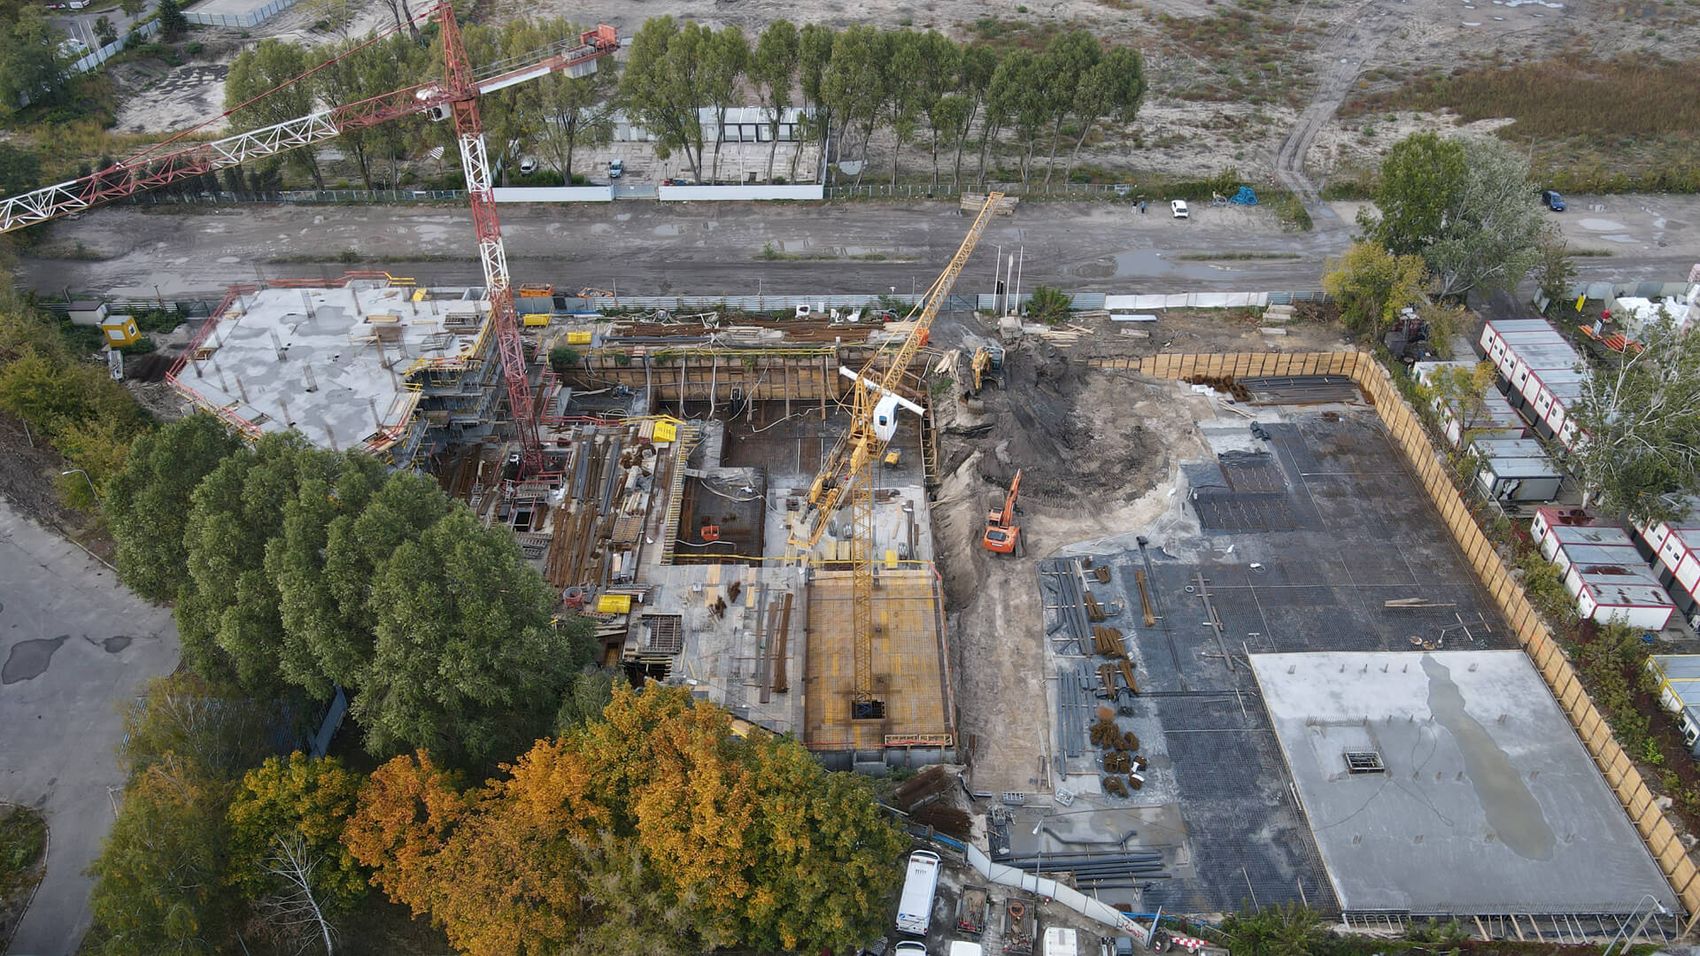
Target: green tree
1555, 270
905, 66
938, 75
465, 663
1421, 178
1113, 88
584, 701
666, 84
31, 69
147, 502
728, 54
1371, 285
814, 55
855, 85
773, 69
227, 615
977, 65
363, 72
215, 729
158, 886
263, 88
1068, 59
1494, 229
575, 111
286, 853
1290, 930
104, 30
172, 23
1049, 304
1638, 426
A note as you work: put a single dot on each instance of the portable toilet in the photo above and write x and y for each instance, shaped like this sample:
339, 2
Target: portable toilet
120, 330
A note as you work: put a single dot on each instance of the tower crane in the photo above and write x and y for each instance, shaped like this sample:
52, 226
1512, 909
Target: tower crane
847, 473
456, 98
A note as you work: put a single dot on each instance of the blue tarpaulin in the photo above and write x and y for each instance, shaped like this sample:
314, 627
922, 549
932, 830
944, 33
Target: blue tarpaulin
1245, 197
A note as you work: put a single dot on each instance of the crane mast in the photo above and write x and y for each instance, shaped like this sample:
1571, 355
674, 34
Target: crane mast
846, 476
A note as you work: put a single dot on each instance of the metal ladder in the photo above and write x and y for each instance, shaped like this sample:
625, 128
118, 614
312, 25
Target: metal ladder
676, 493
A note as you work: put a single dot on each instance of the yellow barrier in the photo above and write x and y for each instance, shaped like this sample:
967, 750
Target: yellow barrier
1537, 640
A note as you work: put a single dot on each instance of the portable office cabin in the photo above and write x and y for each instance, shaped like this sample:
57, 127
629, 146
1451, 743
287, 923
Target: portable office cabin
1548, 517
1516, 470
1569, 538
1619, 593
1678, 677
1496, 419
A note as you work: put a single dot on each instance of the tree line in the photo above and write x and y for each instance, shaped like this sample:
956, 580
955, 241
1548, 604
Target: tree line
36, 57
933, 97
645, 825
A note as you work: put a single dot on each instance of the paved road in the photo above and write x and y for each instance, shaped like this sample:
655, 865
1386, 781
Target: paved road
717, 249
76, 646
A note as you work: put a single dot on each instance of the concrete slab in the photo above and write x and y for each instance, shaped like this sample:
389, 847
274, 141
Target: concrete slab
77, 647
1486, 803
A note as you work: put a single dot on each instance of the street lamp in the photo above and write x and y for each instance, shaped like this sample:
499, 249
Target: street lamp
1629, 940
79, 471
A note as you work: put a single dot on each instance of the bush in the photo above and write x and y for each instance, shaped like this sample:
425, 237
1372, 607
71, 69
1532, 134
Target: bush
1049, 305
563, 359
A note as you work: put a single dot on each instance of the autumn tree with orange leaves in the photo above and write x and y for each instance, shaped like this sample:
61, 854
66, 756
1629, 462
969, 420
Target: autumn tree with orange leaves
653, 829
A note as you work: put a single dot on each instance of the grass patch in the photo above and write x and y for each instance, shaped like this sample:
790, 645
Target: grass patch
23, 839
1252, 52
70, 251
1594, 126
770, 254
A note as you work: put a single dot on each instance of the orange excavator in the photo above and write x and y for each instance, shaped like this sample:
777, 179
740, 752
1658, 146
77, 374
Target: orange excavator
1003, 535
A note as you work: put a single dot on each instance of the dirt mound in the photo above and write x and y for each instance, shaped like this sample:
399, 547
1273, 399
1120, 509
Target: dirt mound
1066, 427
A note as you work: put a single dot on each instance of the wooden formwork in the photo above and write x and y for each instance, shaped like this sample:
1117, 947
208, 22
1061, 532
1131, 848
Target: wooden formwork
1532, 633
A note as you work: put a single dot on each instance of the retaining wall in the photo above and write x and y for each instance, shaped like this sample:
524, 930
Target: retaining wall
1532, 633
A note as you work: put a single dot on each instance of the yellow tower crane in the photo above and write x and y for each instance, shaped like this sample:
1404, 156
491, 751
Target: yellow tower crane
847, 473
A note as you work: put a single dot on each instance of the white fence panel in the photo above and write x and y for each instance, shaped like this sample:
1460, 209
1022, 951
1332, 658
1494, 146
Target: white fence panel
554, 193
739, 193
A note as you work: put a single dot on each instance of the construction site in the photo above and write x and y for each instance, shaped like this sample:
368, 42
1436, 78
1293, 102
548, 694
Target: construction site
1182, 602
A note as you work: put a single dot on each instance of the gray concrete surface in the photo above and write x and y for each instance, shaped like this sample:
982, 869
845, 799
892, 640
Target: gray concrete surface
77, 646
1488, 803
716, 248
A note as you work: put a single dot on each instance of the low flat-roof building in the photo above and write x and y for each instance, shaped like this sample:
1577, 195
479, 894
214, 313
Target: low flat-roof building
1678, 677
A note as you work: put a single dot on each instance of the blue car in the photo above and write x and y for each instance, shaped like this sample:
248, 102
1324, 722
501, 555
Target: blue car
1552, 200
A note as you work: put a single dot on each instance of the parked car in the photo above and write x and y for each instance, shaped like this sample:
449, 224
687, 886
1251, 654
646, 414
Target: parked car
1177, 208
527, 166
1552, 200
616, 168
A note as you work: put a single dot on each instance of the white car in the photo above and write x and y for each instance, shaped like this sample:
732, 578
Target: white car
527, 166
1178, 208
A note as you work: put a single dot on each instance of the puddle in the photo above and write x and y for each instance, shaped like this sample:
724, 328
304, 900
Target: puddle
1513, 814
111, 645
1602, 225
668, 231
29, 659
1147, 262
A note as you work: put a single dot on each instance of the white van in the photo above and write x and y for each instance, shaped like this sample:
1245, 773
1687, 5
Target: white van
915, 907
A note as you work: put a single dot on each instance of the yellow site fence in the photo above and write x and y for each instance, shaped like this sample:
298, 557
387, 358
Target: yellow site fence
1537, 640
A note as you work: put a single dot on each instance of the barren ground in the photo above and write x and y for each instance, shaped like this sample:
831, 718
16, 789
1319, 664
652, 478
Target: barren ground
1098, 451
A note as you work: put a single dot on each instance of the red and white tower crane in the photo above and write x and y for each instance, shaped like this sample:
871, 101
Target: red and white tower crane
456, 97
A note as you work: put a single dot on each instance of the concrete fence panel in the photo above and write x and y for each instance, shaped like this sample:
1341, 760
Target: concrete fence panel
740, 193
550, 194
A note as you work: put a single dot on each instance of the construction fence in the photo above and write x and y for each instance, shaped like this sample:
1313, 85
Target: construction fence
244, 20
1532, 633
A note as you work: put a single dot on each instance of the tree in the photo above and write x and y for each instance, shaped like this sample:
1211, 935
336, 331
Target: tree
31, 69
940, 61
1462, 390
263, 88
212, 728
1638, 427
132, 8
1049, 304
575, 111
773, 70
653, 826
158, 886
1290, 930
104, 30
147, 502
227, 614
364, 72
814, 55
465, 662
1420, 181
1372, 285
856, 84
286, 852
1494, 229
1068, 59
590, 694
666, 85
728, 53
977, 65
905, 62
1114, 87
172, 23
1555, 270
